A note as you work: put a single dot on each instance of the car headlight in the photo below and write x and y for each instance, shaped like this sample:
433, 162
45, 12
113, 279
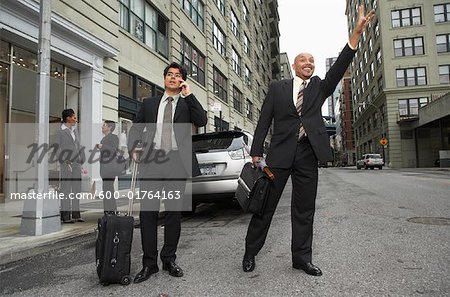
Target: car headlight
237, 154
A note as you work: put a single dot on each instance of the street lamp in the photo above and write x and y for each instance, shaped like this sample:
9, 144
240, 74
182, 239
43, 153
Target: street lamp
383, 135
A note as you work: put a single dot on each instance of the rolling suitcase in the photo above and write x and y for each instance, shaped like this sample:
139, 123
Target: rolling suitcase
113, 243
253, 189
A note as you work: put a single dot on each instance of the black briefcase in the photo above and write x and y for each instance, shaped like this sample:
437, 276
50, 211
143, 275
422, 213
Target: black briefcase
253, 189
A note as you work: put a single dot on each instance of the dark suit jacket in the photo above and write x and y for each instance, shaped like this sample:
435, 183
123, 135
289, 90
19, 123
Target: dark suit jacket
188, 110
108, 153
279, 106
67, 148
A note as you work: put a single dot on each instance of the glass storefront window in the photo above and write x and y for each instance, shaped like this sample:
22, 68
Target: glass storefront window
125, 84
144, 90
4, 51
72, 77
57, 70
25, 59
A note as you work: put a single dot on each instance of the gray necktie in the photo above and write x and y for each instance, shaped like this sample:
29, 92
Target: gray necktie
166, 136
299, 106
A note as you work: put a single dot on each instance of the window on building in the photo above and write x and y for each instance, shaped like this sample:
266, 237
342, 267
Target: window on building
372, 71
411, 77
248, 76
442, 13
135, 87
406, 17
237, 99
378, 57
249, 110
193, 61
408, 47
443, 43
380, 84
235, 25
246, 45
235, 61
218, 39
195, 9
245, 13
145, 23
220, 5
220, 124
444, 74
410, 107
219, 85
376, 29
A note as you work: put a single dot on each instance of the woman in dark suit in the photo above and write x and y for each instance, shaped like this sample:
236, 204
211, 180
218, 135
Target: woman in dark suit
108, 151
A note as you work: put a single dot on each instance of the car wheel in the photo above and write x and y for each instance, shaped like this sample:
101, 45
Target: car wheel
381, 167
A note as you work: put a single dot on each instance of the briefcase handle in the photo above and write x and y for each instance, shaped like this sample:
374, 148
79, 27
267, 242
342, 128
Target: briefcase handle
134, 171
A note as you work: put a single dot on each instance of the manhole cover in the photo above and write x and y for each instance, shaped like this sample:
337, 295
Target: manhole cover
430, 221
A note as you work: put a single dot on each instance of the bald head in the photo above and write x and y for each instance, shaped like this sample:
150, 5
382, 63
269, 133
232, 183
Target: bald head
304, 65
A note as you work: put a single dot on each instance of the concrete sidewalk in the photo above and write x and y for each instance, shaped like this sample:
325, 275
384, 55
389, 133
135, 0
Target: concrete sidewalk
14, 246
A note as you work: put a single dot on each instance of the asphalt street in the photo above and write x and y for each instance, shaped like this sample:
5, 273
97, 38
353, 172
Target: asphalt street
377, 233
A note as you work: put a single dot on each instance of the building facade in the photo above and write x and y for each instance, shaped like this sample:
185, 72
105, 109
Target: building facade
109, 55
402, 64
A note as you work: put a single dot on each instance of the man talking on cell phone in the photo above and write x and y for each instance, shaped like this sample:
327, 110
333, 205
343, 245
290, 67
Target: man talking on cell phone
164, 124
299, 141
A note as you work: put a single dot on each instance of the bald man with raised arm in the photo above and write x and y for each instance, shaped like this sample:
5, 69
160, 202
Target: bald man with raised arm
299, 142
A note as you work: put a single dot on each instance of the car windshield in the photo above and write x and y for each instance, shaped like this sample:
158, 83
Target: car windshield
375, 156
203, 143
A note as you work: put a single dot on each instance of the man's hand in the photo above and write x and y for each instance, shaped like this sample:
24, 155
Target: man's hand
361, 24
136, 155
185, 89
256, 160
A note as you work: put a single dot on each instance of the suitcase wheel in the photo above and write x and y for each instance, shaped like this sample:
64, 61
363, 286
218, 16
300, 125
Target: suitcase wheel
126, 280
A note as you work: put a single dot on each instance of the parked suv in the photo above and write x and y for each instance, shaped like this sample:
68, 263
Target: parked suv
221, 157
370, 161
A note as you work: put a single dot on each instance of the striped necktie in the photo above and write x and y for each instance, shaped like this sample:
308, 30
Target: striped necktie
299, 106
166, 135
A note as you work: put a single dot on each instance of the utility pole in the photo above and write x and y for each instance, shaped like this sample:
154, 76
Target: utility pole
41, 216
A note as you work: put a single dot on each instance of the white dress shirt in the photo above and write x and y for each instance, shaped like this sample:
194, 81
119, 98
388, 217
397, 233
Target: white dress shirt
297, 84
71, 130
160, 120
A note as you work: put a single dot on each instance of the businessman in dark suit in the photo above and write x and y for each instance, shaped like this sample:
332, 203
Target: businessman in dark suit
164, 124
70, 157
108, 147
298, 142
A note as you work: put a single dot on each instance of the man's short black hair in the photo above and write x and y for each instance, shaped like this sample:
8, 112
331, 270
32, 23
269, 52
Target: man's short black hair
175, 65
67, 113
111, 125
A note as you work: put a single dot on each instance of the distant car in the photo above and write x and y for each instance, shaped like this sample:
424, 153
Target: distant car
370, 161
221, 157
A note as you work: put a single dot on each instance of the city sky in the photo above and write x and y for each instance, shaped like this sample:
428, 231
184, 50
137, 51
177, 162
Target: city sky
318, 27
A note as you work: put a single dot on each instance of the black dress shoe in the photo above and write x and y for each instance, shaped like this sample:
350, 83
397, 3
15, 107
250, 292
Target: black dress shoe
80, 220
145, 273
173, 268
309, 268
70, 221
248, 263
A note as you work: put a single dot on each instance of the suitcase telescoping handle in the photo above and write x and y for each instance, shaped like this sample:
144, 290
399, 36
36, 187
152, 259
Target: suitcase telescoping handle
134, 170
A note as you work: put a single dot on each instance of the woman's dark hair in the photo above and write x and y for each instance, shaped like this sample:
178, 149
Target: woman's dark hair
111, 125
67, 113
176, 66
